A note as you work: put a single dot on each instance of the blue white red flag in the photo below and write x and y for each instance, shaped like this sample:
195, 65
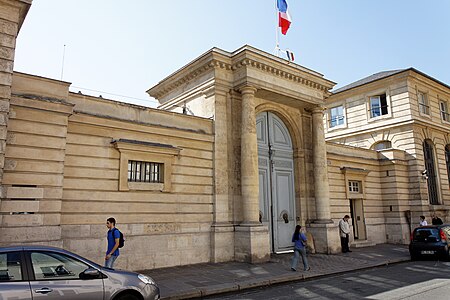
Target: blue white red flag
284, 19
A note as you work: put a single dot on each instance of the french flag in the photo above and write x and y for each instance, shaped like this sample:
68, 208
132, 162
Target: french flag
284, 19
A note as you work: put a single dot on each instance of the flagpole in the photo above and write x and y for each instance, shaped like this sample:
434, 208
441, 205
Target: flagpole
277, 43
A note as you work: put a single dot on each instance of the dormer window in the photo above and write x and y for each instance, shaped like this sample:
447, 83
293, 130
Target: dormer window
378, 106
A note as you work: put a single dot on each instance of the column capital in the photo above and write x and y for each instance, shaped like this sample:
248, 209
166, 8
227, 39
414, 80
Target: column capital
248, 89
318, 109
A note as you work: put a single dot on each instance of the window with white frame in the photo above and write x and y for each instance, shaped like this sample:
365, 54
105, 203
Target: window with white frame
378, 106
354, 186
337, 116
424, 108
444, 111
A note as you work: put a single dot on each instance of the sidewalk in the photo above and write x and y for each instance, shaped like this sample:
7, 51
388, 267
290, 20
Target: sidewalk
207, 279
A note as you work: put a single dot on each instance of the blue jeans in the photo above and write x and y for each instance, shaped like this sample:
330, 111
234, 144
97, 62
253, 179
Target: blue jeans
110, 262
297, 253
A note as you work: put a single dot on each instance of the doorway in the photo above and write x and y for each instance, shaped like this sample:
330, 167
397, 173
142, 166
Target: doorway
357, 215
276, 180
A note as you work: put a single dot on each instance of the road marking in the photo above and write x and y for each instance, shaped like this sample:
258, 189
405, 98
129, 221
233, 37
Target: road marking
411, 290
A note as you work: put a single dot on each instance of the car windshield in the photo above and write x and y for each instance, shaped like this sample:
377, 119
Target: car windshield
426, 234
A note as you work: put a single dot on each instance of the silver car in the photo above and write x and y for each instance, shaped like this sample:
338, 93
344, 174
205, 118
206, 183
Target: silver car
35, 272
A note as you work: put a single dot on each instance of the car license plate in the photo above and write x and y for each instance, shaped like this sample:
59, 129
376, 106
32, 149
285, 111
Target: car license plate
426, 252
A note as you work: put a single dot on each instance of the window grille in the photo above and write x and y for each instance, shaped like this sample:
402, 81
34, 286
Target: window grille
141, 171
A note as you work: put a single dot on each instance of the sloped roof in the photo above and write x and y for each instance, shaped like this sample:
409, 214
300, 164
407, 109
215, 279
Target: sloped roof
382, 75
368, 79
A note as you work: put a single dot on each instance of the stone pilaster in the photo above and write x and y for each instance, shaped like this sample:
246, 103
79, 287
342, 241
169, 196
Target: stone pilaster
12, 14
252, 238
222, 230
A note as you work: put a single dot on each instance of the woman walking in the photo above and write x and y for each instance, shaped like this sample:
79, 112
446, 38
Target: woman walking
299, 238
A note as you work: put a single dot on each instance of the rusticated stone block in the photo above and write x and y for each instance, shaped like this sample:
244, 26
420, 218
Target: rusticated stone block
5, 95
5, 65
7, 40
5, 78
7, 54
8, 27
43, 234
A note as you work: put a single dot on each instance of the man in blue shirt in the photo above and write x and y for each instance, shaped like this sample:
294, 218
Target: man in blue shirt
113, 237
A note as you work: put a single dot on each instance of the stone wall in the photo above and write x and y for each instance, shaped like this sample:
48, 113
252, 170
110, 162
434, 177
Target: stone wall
63, 176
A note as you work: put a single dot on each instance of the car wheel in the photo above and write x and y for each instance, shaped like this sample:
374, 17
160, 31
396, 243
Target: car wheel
127, 297
414, 256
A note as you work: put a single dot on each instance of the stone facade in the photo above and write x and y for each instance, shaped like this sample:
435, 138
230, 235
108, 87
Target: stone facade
405, 124
69, 161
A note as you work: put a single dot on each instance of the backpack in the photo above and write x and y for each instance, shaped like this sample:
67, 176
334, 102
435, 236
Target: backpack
121, 239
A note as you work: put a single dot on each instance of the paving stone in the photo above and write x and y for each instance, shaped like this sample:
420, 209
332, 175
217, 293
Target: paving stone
185, 282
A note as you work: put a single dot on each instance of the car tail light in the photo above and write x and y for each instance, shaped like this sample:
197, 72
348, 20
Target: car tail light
443, 236
411, 237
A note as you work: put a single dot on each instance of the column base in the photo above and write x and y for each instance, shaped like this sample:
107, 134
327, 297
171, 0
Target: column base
252, 243
326, 236
222, 242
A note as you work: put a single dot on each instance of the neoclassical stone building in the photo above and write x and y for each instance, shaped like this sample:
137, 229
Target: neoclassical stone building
243, 147
405, 110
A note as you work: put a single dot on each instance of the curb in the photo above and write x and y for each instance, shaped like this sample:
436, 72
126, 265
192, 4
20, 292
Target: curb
252, 284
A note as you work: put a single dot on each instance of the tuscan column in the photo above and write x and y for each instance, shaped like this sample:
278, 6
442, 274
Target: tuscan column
321, 188
249, 158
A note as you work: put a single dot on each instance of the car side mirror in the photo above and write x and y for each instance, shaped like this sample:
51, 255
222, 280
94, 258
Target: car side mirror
90, 273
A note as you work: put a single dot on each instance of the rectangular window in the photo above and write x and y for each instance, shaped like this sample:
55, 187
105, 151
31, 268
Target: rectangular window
142, 171
444, 111
424, 108
378, 106
336, 116
354, 186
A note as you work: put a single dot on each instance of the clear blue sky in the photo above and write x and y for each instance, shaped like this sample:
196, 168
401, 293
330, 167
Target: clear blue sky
126, 47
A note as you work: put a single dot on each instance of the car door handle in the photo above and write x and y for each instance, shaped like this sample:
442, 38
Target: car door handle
44, 290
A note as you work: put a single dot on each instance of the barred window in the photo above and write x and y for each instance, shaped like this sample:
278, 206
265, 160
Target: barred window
142, 171
354, 186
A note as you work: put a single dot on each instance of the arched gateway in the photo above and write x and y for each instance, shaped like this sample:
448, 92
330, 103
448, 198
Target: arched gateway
276, 180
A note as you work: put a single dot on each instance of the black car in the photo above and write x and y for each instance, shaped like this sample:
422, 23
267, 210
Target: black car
430, 241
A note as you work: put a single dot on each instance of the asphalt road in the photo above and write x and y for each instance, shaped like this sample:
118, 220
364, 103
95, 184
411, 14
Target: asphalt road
411, 280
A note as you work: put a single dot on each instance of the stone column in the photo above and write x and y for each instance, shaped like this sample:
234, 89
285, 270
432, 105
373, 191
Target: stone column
321, 188
325, 232
252, 242
249, 158
222, 230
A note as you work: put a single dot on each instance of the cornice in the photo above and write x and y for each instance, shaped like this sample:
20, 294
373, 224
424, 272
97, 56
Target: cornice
248, 62
167, 88
164, 88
